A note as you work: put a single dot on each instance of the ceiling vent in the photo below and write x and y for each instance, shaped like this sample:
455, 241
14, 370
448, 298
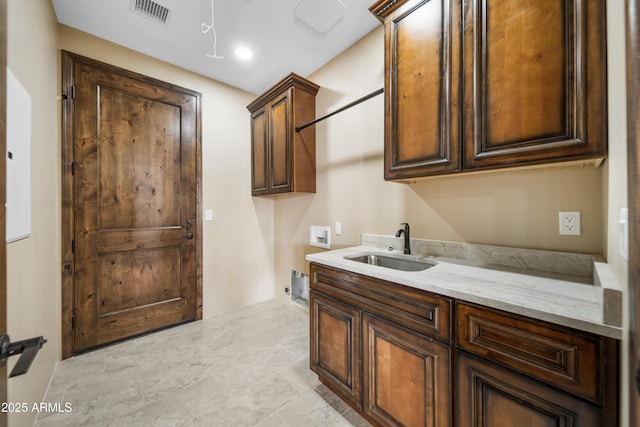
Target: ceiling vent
151, 10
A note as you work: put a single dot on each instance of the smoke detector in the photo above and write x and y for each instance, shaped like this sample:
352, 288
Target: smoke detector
320, 14
151, 10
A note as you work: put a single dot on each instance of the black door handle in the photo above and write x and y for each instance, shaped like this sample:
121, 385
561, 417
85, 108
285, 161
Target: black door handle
189, 236
27, 348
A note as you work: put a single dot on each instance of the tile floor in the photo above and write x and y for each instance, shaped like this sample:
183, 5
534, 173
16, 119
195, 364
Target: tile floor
249, 367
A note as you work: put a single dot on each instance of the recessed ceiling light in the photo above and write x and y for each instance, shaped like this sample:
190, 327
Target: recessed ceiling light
244, 53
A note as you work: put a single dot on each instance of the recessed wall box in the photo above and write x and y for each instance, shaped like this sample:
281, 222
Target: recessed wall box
320, 236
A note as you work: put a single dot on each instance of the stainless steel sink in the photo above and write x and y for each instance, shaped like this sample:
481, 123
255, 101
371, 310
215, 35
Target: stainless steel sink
395, 262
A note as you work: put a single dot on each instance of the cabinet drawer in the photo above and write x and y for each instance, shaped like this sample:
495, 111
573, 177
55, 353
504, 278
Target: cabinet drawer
420, 311
566, 358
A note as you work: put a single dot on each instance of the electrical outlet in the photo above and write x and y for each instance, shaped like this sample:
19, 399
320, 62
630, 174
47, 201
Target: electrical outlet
570, 223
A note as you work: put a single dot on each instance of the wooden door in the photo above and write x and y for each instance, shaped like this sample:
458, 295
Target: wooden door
491, 396
422, 75
406, 376
633, 141
534, 81
135, 203
335, 346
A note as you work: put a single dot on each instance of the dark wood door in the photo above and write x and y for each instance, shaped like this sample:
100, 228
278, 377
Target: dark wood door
491, 396
280, 143
260, 152
135, 204
406, 376
335, 346
534, 81
422, 75
271, 145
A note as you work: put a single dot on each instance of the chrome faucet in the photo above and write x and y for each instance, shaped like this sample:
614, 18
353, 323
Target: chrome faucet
407, 241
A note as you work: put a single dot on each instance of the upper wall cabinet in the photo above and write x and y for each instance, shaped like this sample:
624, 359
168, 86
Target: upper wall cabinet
532, 89
422, 86
284, 160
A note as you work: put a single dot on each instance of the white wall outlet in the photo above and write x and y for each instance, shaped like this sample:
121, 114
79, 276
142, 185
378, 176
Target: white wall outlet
570, 224
208, 215
338, 228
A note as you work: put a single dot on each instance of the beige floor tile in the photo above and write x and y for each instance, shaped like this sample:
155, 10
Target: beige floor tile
249, 367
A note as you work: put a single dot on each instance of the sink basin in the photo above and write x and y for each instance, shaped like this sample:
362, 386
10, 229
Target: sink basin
395, 262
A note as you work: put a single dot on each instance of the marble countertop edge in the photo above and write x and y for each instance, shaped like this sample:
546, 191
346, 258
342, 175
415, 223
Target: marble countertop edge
563, 302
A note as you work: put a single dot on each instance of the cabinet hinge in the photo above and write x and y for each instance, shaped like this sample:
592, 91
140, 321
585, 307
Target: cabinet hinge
73, 168
73, 92
73, 246
73, 321
638, 381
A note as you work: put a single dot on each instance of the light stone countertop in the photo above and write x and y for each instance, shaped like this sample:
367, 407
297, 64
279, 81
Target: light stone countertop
554, 298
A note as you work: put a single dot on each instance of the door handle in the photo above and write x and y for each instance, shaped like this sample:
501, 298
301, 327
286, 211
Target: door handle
189, 236
26, 348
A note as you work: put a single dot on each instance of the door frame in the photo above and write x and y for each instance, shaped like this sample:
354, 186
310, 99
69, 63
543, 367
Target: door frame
69, 59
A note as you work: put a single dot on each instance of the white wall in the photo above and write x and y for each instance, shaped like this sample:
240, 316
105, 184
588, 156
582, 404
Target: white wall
615, 181
33, 264
517, 209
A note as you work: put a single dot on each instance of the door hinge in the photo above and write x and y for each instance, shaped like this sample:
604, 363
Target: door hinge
73, 92
73, 168
73, 321
638, 381
73, 246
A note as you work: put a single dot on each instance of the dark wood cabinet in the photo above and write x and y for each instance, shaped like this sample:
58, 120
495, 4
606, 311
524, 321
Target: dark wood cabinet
534, 369
407, 376
335, 345
489, 395
534, 81
406, 357
282, 159
362, 349
485, 84
422, 86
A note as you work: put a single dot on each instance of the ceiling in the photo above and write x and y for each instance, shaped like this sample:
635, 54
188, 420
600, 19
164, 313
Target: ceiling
284, 35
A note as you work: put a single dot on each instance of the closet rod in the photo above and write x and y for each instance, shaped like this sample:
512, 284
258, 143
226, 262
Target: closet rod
326, 116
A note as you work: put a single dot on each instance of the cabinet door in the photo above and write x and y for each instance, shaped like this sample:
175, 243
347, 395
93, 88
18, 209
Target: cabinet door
259, 152
280, 143
406, 376
492, 396
422, 74
335, 346
534, 81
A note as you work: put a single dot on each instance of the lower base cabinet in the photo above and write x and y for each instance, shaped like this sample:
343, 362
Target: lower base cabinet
405, 357
335, 346
492, 396
406, 376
